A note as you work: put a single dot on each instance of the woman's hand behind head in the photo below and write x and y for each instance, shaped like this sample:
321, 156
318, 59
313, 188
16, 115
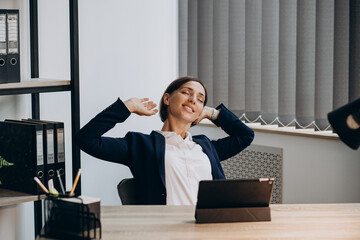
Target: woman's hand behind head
142, 107
206, 113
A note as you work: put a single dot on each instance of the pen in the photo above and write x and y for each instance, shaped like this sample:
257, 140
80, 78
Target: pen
75, 182
60, 181
41, 185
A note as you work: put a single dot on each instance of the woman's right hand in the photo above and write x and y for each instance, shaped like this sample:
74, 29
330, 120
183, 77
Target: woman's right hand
142, 107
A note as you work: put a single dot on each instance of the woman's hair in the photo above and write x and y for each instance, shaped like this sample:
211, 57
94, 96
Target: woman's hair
176, 84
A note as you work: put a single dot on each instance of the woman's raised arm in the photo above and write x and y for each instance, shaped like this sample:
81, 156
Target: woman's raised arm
90, 138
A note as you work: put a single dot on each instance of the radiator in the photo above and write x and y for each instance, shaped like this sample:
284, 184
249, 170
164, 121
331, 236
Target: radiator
257, 161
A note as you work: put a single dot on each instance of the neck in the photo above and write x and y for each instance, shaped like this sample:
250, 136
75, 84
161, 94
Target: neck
173, 125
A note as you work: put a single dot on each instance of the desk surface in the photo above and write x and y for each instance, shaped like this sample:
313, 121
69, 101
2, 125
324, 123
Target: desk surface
289, 221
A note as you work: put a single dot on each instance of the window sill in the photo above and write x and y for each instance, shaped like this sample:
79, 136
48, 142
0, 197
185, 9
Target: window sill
275, 129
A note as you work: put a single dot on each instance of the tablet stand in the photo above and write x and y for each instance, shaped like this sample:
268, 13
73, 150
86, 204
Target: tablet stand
241, 214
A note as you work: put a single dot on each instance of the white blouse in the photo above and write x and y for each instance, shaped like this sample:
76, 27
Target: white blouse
185, 165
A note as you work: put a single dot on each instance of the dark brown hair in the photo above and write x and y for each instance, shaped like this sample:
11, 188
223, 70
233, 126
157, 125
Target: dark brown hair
176, 84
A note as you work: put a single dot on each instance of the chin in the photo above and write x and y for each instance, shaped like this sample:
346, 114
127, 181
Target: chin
190, 121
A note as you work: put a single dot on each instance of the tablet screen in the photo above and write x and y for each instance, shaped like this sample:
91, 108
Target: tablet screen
235, 193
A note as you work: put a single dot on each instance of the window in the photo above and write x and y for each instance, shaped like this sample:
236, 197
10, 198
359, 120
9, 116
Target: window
283, 62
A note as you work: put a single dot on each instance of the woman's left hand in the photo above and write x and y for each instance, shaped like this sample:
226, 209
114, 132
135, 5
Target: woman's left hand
206, 113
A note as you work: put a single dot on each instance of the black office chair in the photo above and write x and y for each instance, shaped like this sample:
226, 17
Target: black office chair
126, 190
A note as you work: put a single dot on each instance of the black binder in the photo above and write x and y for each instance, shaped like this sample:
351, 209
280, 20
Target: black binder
59, 149
22, 145
13, 46
241, 200
3, 47
48, 147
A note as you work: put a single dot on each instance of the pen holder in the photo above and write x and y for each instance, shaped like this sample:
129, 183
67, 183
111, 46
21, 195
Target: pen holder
72, 218
61, 196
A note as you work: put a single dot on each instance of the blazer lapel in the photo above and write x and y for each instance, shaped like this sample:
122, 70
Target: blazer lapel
159, 143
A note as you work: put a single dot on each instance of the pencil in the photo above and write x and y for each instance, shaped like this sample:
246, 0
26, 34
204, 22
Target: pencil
41, 185
75, 182
60, 182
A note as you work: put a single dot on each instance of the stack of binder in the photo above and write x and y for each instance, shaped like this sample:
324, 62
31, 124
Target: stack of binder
55, 149
36, 148
9, 46
22, 145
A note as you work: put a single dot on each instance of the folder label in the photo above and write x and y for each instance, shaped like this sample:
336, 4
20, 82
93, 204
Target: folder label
2, 36
50, 146
39, 148
3, 48
60, 140
13, 42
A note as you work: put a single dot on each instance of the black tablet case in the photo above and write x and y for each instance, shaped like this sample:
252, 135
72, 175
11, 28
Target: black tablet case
241, 200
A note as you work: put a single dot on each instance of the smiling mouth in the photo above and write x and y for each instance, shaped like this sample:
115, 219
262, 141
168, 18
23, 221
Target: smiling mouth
189, 109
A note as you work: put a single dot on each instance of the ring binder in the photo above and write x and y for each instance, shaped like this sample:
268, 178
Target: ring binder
59, 149
13, 46
22, 144
9, 46
48, 146
3, 47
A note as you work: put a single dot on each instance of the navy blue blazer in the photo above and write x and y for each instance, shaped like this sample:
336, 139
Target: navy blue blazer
144, 154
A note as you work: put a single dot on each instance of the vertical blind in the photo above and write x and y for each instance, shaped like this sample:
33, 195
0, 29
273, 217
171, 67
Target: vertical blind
286, 62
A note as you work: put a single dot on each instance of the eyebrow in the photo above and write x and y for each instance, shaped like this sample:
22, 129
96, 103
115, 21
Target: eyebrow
193, 90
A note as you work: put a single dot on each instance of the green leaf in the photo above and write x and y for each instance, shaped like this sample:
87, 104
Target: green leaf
3, 162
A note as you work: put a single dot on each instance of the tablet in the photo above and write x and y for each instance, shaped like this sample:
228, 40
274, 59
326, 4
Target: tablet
234, 193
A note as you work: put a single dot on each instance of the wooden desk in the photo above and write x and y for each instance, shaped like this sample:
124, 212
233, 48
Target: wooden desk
309, 221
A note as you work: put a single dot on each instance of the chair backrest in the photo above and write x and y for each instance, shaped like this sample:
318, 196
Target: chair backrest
258, 161
126, 190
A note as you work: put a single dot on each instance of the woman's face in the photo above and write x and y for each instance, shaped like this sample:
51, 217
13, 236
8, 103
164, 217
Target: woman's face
187, 102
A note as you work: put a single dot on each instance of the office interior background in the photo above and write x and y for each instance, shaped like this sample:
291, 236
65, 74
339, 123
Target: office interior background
130, 48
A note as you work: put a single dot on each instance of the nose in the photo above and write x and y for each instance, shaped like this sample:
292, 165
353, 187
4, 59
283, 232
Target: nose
192, 98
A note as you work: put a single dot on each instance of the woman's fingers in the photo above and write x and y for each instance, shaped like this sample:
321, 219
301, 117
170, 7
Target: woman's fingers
150, 105
150, 112
141, 106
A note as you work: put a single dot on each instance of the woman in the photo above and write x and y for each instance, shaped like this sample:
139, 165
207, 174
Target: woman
167, 165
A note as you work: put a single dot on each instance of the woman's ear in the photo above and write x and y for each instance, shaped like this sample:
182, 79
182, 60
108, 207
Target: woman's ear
166, 99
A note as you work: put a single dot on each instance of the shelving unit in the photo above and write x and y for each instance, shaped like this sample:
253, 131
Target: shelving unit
35, 86
8, 197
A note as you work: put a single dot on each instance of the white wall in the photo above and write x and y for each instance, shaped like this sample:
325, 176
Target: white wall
314, 170
127, 48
